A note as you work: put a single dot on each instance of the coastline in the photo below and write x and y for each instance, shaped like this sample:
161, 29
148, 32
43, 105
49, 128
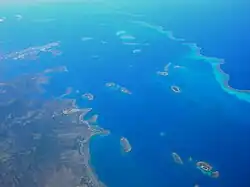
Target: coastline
64, 129
91, 169
94, 131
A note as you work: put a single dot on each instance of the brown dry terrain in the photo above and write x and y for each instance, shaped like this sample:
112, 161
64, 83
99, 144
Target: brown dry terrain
40, 146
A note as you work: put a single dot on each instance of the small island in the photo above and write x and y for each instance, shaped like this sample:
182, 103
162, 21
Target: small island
177, 158
125, 90
207, 169
162, 73
176, 89
118, 87
125, 145
88, 96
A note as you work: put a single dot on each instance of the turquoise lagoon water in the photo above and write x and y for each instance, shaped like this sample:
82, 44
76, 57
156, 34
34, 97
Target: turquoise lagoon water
207, 121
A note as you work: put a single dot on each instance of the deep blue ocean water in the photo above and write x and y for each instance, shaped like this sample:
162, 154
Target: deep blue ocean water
203, 122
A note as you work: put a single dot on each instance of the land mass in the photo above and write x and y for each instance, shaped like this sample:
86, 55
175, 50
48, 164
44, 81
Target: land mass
43, 142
